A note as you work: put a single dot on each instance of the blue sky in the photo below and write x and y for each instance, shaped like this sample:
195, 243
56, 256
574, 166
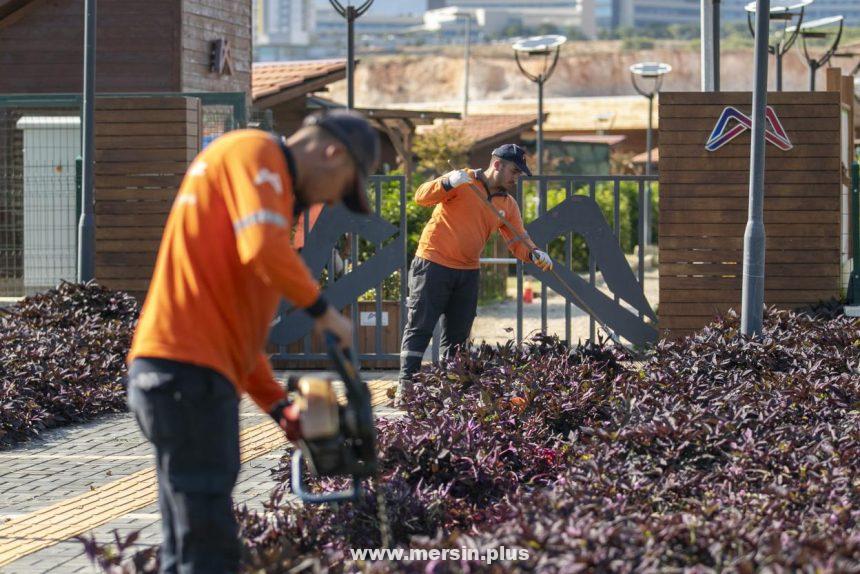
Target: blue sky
388, 6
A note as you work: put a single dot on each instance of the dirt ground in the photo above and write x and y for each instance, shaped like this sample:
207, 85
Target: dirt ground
497, 323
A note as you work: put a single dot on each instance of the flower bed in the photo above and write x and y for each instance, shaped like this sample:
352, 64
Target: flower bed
63, 358
718, 454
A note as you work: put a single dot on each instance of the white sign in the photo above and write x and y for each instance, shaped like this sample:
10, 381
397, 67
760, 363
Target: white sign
368, 319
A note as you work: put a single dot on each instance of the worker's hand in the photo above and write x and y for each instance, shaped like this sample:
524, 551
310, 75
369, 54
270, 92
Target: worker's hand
456, 178
337, 324
286, 414
541, 259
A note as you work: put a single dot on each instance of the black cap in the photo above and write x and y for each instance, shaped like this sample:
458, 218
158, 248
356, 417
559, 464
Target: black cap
361, 142
514, 154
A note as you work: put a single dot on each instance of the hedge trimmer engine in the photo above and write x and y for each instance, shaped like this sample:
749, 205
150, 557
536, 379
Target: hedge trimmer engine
337, 439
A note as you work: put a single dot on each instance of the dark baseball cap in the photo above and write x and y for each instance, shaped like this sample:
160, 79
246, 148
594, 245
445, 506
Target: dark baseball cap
361, 142
514, 154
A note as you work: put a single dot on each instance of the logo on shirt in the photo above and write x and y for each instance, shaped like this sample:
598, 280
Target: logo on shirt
198, 169
273, 179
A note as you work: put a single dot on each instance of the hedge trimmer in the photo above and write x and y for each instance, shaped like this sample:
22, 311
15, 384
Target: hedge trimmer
337, 440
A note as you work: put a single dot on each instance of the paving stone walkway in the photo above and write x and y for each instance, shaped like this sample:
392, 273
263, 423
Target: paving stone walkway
82, 461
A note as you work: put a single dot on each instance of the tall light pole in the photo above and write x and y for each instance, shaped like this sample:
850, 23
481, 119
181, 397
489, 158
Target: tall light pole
350, 13
468, 26
543, 50
654, 73
783, 11
819, 29
86, 225
752, 297
710, 40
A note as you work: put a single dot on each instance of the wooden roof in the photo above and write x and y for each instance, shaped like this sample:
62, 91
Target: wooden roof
276, 82
619, 113
487, 129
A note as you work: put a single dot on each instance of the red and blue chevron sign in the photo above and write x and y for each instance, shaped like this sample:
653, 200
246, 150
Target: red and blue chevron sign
774, 132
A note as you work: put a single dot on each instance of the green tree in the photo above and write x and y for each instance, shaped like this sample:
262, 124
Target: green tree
439, 146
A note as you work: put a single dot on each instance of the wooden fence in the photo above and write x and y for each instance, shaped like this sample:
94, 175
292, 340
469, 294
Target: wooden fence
704, 200
143, 147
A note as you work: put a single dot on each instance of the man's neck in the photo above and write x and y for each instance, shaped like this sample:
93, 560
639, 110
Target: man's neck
488, 176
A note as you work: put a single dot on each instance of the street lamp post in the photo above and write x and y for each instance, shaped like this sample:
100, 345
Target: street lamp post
350, 13
654, 72
783, 11
752, 295
86, 225
545, 50
819, 29
710, 40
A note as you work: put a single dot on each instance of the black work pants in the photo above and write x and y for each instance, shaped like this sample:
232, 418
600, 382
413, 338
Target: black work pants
437, 291
191, 415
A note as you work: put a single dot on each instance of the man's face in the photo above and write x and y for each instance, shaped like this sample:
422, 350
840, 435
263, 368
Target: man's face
508, 175
334, 175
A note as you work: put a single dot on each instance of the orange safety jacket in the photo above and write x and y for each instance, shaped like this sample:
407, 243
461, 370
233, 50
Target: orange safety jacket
462, 223
224, 263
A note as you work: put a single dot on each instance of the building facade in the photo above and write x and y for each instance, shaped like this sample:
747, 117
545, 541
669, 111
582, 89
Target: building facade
282, 29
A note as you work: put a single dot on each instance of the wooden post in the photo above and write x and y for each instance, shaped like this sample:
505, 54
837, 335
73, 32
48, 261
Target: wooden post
834, 79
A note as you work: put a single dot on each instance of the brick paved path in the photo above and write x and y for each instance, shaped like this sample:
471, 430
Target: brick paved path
107, 465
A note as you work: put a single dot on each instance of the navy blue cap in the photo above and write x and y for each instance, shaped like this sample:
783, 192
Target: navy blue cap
514, 154
362, 144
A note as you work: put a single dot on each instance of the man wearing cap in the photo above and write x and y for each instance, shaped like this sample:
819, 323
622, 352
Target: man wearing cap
443, 279
224, 263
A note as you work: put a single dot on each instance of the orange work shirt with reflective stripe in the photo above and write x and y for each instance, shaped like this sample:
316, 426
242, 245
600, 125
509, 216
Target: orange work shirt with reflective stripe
224, 263
462, 223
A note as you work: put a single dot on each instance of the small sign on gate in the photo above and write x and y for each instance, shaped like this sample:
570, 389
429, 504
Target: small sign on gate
368, 319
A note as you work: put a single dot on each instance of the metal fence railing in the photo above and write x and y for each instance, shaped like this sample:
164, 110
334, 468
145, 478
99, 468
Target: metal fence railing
40, 141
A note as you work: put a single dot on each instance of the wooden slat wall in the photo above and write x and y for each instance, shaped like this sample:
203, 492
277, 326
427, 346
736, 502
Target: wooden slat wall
138, 47
204, 21
143, 147
703, 206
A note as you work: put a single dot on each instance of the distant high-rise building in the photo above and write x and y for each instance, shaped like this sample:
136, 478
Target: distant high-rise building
494, 16
282, 28
733, 10
614, 14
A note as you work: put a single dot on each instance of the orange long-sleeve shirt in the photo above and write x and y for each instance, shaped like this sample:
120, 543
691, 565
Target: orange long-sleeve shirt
462, 223
224, 263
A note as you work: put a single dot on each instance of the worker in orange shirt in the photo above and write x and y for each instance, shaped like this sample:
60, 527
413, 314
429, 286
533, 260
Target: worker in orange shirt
443, 279
224, 263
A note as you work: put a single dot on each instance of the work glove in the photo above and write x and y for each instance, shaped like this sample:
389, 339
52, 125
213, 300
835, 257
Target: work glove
541, 259
286, 414
455, 178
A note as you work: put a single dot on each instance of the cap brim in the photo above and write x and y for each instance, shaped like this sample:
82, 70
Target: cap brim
356, 201
524, 168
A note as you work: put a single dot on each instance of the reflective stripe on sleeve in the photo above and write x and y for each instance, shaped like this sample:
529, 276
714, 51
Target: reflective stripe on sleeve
258, 218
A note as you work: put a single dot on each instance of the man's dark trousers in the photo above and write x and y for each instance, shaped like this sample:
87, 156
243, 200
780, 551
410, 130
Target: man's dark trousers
191, 415
437, 291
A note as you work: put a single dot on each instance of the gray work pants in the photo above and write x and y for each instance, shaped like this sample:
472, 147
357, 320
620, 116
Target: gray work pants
437, 291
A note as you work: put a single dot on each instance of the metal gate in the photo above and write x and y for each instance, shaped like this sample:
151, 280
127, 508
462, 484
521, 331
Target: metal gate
577, 212
376, 258
627, 311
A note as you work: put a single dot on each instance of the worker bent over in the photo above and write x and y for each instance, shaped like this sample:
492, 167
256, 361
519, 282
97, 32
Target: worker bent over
224, 263
443, 279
